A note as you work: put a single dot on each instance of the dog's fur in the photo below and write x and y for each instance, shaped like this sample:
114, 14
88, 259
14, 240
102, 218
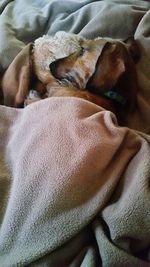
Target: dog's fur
68, 65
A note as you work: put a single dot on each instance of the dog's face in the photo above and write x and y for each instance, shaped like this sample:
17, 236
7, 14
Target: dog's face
78, 67
80, 57
47, 49
99, 66
93, 65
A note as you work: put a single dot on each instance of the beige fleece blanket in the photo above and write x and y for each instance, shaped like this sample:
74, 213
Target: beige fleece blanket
71, 164
74, 186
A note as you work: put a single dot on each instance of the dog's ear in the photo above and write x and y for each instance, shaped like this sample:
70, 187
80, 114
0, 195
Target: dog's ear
110, 67
116, 71
133, 49
16, 79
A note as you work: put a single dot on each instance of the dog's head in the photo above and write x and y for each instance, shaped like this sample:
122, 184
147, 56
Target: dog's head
34, 61
76, 55
96, 65
78, 67
103, 66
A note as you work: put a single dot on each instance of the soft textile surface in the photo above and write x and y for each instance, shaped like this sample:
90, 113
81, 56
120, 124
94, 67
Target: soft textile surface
67, 164
74, 186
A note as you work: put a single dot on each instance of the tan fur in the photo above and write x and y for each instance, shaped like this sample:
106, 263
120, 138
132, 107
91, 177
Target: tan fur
69, 65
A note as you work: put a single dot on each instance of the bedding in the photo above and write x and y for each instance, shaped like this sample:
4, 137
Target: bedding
74, 185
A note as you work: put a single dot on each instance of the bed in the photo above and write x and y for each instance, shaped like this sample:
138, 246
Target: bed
74, 185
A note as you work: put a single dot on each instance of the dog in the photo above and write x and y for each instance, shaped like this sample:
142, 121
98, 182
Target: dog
113, 84
101, 71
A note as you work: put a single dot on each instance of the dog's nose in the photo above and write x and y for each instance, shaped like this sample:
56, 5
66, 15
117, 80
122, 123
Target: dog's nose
53, 67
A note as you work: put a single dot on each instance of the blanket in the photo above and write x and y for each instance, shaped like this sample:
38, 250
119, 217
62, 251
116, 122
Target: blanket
64, 177
74, 186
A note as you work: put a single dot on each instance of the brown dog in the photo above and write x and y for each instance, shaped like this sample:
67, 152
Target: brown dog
101, 71
113, 85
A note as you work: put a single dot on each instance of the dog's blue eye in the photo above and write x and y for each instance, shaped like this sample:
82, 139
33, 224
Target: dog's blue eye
82, 51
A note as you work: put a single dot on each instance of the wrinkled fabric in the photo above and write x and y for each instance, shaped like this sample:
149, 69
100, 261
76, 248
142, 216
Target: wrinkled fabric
70, 162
